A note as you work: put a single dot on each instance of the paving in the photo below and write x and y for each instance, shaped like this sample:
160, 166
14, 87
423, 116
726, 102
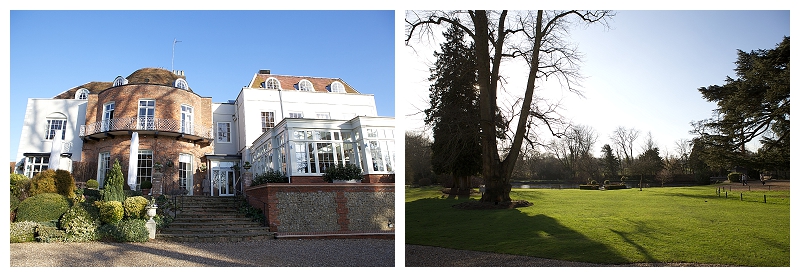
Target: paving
261, 253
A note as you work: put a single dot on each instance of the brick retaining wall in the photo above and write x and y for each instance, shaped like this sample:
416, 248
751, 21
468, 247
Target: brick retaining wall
326, 207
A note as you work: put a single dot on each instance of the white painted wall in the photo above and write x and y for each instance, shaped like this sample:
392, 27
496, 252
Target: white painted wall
251, 102
224, 112
35, 125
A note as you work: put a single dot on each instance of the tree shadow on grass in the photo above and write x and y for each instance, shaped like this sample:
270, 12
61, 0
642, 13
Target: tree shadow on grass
434, 222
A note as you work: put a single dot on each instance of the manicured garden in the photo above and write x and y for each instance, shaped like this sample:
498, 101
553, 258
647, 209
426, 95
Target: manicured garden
670, 224
50, 208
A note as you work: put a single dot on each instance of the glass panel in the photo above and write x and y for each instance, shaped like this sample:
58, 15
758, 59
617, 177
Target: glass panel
377, 157
325, 155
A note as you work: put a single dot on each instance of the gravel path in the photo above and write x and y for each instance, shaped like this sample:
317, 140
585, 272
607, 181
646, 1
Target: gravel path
274, 253
424, 256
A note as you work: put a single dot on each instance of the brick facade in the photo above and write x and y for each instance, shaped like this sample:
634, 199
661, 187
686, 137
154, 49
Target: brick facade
166, 146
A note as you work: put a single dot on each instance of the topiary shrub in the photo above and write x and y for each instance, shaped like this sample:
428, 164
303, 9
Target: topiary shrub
113, 186
111, 212
65, 184
42, 207
23, 231
43, 182
131, 230
734, 177
92, 184
135, 207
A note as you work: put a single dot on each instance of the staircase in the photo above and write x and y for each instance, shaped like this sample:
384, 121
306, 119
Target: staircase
212, 219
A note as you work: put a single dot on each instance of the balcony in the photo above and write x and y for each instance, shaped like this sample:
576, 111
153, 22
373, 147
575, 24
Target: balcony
145, 126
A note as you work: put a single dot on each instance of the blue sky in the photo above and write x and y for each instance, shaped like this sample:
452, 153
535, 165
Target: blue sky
53, 51
643, 72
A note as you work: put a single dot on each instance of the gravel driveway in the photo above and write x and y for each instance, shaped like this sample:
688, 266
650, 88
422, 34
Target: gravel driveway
275, 253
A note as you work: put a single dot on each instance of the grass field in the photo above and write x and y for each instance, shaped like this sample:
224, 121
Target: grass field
679, 224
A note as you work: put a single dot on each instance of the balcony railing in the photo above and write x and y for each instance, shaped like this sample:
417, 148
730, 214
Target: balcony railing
145, 124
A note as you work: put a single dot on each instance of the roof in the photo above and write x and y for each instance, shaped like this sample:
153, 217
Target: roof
93, 87
321, 84
155, 76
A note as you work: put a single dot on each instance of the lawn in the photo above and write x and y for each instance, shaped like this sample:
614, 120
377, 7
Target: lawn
683, 224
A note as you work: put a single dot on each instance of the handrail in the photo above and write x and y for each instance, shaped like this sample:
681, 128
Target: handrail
151, 124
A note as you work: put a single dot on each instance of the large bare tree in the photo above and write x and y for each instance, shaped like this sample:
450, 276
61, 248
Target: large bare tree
537, 37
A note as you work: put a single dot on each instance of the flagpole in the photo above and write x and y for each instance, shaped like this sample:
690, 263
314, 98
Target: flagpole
172, 66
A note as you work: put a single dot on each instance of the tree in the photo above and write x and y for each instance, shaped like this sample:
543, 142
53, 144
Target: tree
753, 105
454, 113
575, 151
498, 36
610, 161
418, 157
113, 186
623, 139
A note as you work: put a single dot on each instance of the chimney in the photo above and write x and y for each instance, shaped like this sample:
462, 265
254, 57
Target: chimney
263, 71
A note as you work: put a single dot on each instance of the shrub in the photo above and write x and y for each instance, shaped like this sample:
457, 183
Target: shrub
734, 177
44, 182
79, 223
113, 186
424, 182
111, 212
131, 230
18, 183
147, 185
92, 184
65, 184
135, 207
271, 176
343, 172
45, 233
23, 231
42, 207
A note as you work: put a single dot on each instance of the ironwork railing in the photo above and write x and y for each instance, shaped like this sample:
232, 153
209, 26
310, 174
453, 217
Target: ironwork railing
152, 124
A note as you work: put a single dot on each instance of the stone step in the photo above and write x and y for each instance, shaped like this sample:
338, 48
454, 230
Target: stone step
212, 219
215, 237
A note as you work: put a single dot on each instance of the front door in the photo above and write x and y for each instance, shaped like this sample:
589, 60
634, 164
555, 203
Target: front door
224, 180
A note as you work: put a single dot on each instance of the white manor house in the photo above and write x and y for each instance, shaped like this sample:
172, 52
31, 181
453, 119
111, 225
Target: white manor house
153, 123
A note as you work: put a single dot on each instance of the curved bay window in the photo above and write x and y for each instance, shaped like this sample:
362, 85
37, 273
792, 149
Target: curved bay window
317, 150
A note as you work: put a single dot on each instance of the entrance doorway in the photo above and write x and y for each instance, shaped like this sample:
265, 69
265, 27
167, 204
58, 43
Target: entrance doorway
223, 181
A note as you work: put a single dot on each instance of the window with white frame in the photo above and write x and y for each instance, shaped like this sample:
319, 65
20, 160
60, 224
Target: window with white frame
267, 121
324, 115
82, 94
56, 124
305, 85
185, 171
35, 164
181, 84
103, 166
295, 114
108, 116
120, 81
144, 171
337, 87
147, 113
272, 83
317, 150
223, 132
380, 143
187, 119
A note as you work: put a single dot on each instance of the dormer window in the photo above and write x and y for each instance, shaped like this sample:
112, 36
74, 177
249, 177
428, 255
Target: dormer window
272, 83
305, 85
181, 84
82, 94
337, 87
120, 81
